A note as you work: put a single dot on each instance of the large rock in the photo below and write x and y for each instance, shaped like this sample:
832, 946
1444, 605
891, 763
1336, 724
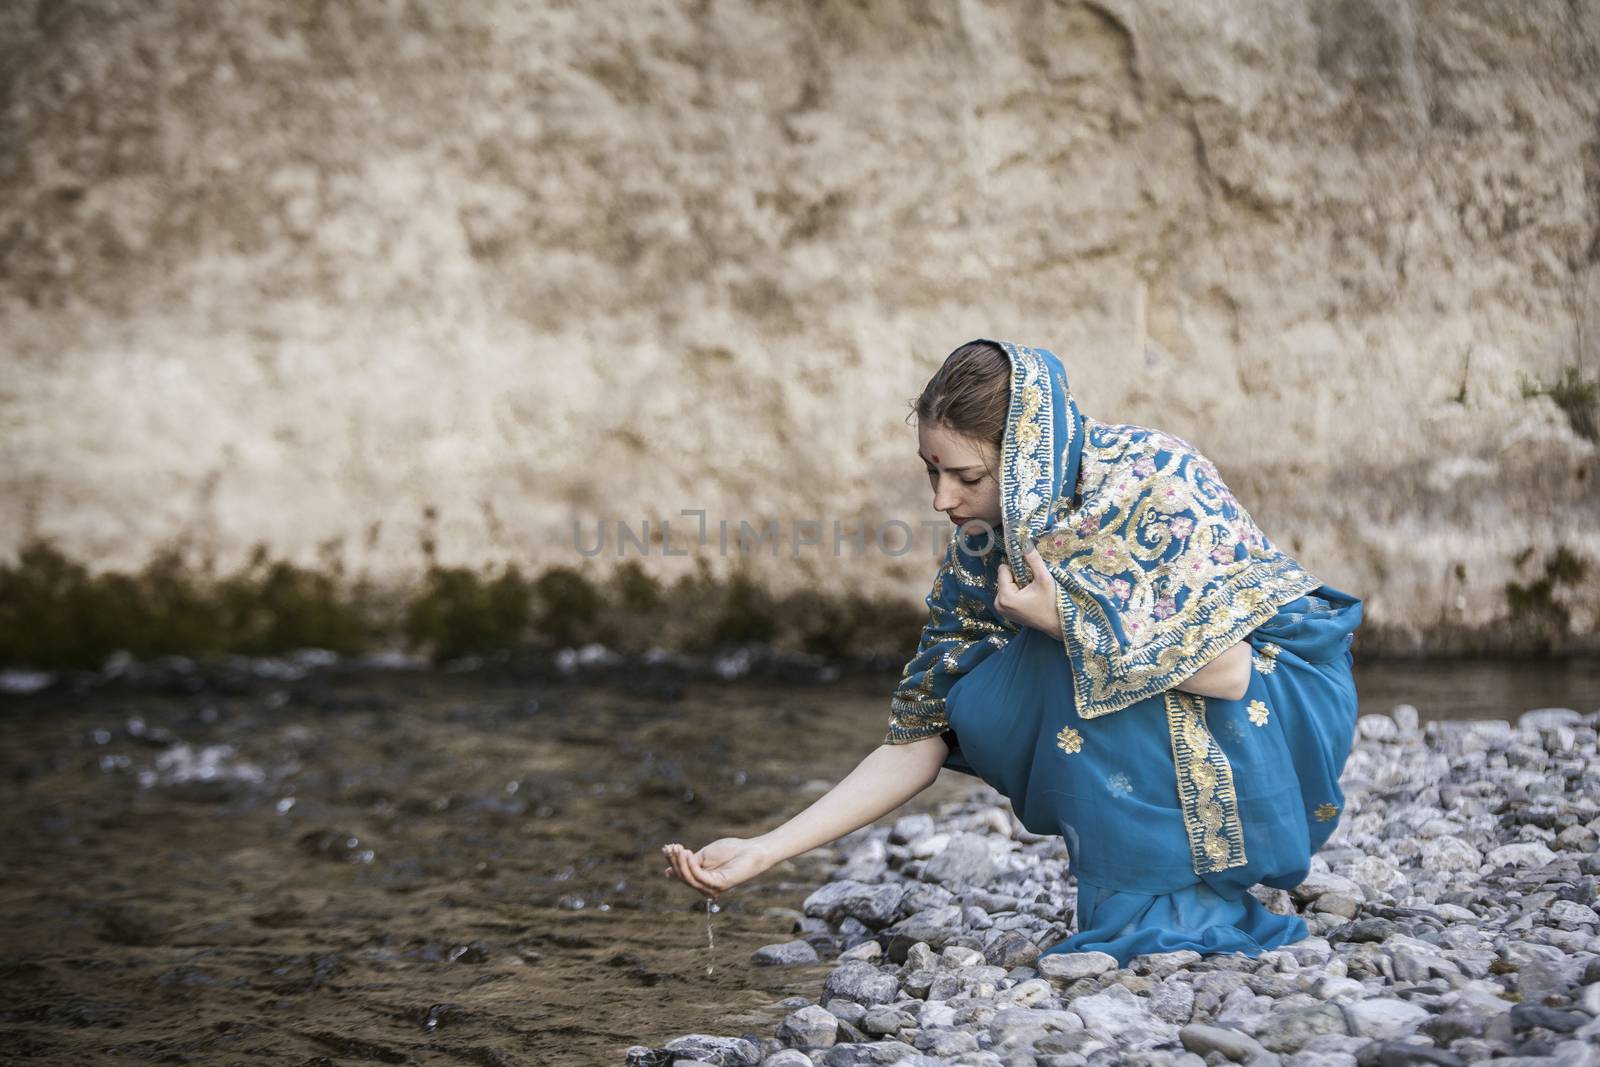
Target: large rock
784, 215
1384, 1017
965, 861
874, 905
1124, 1018
862, 983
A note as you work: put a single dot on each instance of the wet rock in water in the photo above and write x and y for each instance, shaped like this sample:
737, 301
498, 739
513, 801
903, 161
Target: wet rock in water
722, 1051
474, 952
127, 924
789, 953
436, 1016
335, 844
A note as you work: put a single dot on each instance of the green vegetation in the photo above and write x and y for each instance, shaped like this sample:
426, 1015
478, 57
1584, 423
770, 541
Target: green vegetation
1577, 397
54, 613
1535, 607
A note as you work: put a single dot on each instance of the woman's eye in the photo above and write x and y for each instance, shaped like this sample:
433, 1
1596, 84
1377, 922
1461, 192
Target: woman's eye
974, 481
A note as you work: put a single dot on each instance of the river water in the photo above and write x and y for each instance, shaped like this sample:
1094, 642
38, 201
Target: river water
433, 867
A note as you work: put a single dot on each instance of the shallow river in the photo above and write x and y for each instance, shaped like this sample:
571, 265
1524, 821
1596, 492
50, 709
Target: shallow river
427, 867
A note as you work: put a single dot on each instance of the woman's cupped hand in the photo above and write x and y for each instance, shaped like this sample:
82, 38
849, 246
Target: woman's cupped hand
719, 866
1034, 605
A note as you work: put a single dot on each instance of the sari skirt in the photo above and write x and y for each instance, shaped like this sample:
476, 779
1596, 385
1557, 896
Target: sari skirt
1114, 787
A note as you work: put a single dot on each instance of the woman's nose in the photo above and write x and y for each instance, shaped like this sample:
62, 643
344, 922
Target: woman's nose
944, 499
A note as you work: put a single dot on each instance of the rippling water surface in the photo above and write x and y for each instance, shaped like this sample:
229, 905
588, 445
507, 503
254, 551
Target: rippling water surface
404, 867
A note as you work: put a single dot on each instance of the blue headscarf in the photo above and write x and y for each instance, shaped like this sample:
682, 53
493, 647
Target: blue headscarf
1159, 569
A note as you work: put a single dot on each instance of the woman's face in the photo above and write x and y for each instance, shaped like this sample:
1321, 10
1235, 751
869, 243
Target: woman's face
963, 474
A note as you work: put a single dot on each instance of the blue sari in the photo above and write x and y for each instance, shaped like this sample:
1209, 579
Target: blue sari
1171, 805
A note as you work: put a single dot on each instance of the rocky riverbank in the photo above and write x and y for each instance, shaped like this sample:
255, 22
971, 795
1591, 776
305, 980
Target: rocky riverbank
1452, 915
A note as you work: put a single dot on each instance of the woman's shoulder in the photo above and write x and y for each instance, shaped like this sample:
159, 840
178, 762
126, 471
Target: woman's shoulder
1112, 441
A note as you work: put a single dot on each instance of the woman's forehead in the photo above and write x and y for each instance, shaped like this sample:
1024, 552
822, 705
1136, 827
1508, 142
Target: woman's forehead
946, 448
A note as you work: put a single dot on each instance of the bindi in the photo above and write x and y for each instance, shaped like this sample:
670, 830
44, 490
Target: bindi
936, 458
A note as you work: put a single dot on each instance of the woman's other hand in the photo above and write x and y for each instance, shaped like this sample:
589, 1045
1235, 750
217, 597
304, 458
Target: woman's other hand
721, 865
1034, 606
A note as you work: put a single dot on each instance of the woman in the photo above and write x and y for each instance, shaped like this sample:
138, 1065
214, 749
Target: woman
1129, 660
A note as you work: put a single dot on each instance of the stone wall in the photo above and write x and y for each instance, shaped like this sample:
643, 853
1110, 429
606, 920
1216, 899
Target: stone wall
293, 273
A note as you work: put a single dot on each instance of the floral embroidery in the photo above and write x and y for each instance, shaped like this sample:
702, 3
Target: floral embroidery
1258, 712
1267, 661
1069, 740
1326, 812
1174, 537
1206, 795
1119, 785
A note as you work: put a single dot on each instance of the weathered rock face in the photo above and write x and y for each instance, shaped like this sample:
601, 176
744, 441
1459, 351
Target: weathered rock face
293, 273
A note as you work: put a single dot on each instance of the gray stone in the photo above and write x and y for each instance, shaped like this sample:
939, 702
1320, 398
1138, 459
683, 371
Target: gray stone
911, 828
1317, 883
722, 1051
1236, 1045
862, 983
1161, 964
1337, 904
1405, 1054
1377, 727
788, 1057
959, 957
867, 951
1570, 915
1030, 993
885, 1021
1527, 1016
1288, 1031
1450, 854
1123, 1017
1012, 949
1070, 966
873, 905
789, 953
1521, 854
965, 861
1020, 1027
810, 1027
868, 1054
1173, 1001
945, 1042
1546, 718
1384, 1017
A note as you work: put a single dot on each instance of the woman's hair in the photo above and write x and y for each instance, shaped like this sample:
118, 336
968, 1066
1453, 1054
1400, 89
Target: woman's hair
970, 393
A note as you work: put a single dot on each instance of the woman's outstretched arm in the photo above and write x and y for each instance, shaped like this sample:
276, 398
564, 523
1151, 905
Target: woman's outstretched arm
889, 776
